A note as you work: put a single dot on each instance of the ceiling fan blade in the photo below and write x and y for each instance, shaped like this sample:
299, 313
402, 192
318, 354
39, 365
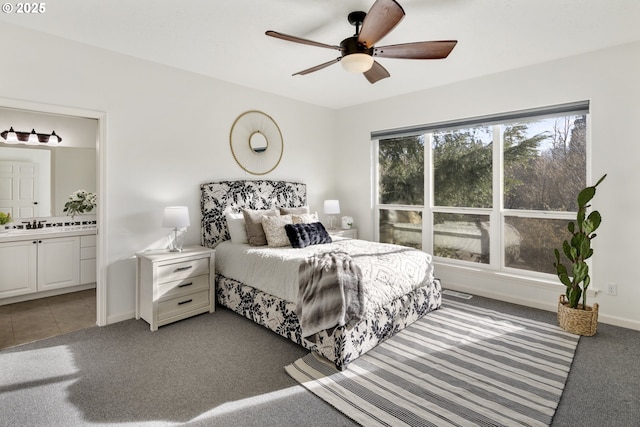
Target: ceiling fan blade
418, 50
377, 72
317, 67
300, 40
383, 16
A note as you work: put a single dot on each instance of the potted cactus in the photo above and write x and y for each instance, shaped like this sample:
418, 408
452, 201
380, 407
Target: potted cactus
573, 316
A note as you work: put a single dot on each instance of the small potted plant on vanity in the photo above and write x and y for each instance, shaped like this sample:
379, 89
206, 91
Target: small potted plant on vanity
5, 218
80, 202
575, 316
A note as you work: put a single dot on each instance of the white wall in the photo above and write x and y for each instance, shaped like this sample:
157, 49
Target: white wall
609, 79
167, 131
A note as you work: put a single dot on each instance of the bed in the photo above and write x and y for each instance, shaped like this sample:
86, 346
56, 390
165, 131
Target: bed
270, 291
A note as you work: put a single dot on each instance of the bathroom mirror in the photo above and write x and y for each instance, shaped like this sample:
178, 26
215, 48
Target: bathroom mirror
59, 172
51, 172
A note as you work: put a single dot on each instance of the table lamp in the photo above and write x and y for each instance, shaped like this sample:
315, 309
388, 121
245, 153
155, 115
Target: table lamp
176, 217
331, 207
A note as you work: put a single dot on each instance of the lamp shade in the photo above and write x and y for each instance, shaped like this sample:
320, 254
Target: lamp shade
53, 138
331, 207
357, 62
176, 217
12, 136
33, 137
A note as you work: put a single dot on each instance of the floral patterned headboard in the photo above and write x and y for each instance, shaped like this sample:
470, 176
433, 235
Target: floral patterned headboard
218, 197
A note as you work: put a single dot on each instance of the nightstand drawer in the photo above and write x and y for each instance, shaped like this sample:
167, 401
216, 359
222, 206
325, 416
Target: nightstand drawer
180, 287
183, 270
184, 304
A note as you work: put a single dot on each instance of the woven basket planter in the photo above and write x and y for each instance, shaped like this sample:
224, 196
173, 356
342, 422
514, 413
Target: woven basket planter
576, 320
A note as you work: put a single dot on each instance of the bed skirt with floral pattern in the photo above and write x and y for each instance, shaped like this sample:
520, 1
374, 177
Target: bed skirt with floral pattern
341, 345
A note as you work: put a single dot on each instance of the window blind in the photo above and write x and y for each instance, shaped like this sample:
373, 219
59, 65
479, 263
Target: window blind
573, 108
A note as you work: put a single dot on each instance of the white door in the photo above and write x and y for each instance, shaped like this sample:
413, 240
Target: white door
19, 188
58, 262
18, 268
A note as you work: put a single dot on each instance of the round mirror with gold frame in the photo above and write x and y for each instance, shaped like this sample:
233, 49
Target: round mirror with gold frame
256, 142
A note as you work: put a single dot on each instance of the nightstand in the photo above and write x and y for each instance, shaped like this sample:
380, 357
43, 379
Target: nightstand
172, 286
351, 233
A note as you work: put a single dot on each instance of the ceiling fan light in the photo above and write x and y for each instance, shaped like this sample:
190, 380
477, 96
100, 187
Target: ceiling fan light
357, 62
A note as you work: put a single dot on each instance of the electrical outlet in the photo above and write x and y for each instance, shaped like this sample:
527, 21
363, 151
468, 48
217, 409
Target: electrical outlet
612, 289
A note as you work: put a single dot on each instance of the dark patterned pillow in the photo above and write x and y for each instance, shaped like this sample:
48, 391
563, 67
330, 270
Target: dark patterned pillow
303, 235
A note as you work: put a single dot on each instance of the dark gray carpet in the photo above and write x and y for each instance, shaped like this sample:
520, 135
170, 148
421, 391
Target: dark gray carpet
223, 370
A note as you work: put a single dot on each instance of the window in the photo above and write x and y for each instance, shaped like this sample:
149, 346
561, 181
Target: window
498, 191
401, 185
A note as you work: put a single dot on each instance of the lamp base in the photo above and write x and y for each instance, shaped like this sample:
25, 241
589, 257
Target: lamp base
175, 243
331, 219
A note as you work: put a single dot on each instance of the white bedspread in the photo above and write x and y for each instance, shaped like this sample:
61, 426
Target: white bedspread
388, 271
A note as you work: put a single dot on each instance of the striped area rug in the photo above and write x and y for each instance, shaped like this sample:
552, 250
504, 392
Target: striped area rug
458, 366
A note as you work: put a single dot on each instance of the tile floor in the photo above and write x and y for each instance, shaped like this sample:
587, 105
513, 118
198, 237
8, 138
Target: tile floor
34, 320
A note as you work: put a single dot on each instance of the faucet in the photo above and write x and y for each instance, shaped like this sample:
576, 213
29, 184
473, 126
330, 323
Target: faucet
34, 224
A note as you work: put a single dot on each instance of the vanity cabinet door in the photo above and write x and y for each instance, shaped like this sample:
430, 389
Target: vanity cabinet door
58, 262
18, 268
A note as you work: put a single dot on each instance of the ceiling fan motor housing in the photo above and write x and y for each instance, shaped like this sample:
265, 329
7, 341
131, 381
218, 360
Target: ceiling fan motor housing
351, 45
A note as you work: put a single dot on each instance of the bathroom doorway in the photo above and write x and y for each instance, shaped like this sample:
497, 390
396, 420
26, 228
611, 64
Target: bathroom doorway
98, 294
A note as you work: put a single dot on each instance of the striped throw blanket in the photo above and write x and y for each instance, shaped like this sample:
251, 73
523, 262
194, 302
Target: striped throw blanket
330, 292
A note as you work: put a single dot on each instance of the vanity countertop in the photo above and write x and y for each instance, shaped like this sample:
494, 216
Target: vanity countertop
14, 235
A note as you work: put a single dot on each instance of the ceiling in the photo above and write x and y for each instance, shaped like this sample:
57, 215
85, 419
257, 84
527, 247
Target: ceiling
225, 39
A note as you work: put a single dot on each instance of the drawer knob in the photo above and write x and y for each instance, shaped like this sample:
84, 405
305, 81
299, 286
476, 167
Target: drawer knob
185, 302
184, 268
185, 285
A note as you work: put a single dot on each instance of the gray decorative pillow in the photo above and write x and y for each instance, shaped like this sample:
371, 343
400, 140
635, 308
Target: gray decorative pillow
296, 211
253, 224
274, 229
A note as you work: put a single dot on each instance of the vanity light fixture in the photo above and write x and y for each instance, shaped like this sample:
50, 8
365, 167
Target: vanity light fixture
19, 137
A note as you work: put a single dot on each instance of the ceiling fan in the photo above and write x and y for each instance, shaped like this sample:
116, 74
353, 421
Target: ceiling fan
358, 51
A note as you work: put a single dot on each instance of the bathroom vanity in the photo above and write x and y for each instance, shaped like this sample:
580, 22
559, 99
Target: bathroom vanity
46, 261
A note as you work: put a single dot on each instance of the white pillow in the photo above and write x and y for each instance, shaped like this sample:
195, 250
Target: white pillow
237, 230
274, 229
305, 218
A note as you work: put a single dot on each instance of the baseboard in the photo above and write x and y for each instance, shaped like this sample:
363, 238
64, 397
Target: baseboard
115, 318
547, 306
46, 294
